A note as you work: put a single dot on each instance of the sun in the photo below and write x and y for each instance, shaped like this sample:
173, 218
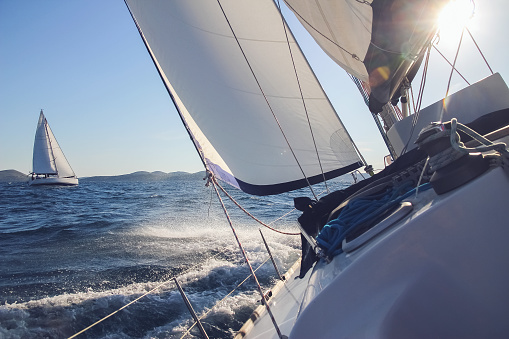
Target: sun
454, 17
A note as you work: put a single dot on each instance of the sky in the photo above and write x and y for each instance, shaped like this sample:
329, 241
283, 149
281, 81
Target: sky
84, 63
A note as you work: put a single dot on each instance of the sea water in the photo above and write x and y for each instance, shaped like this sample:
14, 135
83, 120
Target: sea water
70, 256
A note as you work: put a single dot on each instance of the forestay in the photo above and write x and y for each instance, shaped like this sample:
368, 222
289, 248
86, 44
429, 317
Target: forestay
230, 71
48, 157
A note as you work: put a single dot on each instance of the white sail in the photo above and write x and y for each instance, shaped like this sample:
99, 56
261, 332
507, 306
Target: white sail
48, 157
43, 161
379, 42
229, 70
341, 28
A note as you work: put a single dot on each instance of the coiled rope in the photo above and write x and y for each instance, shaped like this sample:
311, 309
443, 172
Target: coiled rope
361, 211
458, 149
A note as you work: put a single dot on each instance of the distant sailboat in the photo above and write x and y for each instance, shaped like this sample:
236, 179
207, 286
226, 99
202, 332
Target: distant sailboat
49, 165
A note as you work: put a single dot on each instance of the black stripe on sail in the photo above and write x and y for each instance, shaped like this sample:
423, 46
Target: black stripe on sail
293, 185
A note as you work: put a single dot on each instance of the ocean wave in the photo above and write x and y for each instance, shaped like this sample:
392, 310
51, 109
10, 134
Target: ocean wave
161, 313
69, 257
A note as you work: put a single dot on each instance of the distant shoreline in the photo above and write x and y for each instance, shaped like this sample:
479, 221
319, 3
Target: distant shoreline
16, 176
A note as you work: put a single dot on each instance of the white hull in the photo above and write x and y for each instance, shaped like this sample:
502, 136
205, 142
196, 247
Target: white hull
285, 305
438, 272
53, 181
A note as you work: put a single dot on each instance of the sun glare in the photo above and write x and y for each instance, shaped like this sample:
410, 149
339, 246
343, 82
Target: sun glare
455, 16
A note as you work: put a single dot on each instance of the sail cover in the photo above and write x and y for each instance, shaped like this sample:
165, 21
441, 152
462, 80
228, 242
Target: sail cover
377, 41
48, 157
230, 72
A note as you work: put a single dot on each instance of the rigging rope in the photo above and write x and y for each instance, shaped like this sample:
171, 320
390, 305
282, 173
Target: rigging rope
452, 72
417, 108
300, 89
252, 216
364, 90
170, 280
475, 43
447, 60
489, 145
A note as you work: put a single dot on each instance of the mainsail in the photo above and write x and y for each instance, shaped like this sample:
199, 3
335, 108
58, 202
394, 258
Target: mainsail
251, 103
377, 41
48, 157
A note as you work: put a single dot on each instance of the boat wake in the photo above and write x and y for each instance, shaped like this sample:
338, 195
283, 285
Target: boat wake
208, 267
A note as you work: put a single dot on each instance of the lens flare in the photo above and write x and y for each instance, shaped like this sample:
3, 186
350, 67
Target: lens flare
454, 17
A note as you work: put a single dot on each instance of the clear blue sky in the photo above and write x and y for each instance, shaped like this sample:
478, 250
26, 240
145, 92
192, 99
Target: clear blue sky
83, 62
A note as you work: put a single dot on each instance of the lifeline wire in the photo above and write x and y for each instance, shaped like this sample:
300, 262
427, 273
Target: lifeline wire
226, 296
132, 302
164, 283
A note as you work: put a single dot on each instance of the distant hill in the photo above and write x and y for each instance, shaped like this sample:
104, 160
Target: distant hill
16, 176
147, 176
12, 176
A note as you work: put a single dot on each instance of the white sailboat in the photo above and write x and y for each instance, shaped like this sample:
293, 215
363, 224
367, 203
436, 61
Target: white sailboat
419, 250
49, 165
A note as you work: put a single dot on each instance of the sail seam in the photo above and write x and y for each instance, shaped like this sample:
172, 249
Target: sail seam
353, 55
264, 96
303, 103
331, 32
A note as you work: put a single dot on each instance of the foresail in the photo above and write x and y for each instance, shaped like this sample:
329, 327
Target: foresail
229, 70
62, 165
377, 41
